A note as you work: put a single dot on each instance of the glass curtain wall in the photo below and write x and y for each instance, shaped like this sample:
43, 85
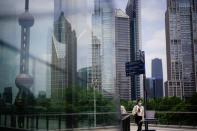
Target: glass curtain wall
57, 65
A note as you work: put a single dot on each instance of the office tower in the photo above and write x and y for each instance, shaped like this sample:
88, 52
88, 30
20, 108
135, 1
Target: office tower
24, 81
149, 88
157, 75
96, 63
181, 41
7, 95
133, 11
58, 75
103, 30
122, 46
84, 77
157, 70
8, 70
158, 88
153, 88
2, 103
64, 58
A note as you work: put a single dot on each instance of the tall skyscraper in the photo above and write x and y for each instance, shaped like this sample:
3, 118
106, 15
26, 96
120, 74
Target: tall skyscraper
181, 43
157, 70
103, 30
157, 75
58, 77
154, 88
122, 45
96, 63
8, 70
149, 88
84, 77
7, 95
64, 58
134, 13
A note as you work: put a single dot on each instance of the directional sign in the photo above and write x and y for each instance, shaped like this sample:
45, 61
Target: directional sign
135, 68
135, 72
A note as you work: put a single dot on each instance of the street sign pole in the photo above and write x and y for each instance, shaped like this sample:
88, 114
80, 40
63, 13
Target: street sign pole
145, 100
142, 57
137, 68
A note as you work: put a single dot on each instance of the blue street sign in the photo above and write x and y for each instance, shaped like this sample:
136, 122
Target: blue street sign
135, 68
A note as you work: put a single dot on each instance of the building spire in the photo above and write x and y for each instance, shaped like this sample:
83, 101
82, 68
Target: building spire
26, 5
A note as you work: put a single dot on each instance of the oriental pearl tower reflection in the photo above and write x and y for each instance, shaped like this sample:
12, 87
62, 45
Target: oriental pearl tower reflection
24, 99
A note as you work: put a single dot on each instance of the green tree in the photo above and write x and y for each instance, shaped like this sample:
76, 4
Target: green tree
80, 100
128, 104
193, 103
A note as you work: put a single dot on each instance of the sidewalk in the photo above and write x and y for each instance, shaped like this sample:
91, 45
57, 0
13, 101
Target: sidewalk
166, 128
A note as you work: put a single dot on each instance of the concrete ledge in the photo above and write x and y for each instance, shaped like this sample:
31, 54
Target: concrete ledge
111, 128
169, 126
12, 129
174, 126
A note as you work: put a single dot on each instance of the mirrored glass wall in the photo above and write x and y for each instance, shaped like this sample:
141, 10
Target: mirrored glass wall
57, 64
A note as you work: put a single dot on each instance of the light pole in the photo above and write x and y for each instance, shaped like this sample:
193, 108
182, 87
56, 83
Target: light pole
95, 84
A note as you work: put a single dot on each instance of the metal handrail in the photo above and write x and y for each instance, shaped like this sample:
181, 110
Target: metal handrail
13, 120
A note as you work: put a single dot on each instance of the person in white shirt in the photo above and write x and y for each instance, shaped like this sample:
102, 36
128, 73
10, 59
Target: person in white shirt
138, 113
123, 110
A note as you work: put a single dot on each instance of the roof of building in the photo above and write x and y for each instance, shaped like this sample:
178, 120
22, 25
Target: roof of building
120, 13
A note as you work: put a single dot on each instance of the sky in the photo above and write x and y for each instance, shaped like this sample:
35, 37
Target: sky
153, 31
152, 18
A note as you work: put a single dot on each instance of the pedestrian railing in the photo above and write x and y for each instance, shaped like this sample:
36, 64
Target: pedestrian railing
174, 118
59, 120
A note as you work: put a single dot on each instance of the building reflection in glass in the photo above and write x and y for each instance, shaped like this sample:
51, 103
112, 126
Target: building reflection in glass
62, 74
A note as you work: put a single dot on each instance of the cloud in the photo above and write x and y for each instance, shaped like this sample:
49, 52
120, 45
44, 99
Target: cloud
15, 7
156, 44
153, 10
121, 4
153, 33
151, 15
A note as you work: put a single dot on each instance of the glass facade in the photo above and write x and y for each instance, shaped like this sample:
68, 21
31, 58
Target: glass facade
122, 44
57, 65
134, 13
180, 19
157, 75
